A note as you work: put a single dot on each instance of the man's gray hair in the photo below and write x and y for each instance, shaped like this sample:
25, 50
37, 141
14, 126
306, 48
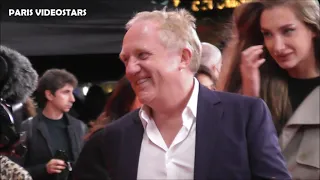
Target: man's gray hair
177, 28
211, 55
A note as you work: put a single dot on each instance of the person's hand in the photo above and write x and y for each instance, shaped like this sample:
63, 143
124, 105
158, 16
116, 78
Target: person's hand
55, 166
102, 119
251, 60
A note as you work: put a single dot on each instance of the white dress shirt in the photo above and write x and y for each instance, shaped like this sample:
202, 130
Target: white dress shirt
156, 160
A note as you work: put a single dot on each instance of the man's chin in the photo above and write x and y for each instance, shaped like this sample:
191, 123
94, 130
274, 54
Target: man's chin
145, 99
66, 110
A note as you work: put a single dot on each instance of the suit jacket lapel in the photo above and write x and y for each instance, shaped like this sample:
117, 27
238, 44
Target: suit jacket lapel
45, 133
75, 144
130, 149
209, 112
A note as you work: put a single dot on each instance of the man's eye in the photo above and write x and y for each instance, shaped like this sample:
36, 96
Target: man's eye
143, 55
125, 60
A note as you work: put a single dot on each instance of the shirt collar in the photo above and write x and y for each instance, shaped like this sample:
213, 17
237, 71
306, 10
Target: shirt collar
145, 111
193, 101
145, 114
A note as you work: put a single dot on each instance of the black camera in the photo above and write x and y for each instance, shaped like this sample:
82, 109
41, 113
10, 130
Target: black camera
11, 141
62, 155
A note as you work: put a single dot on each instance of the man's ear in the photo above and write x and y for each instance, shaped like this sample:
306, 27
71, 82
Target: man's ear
48, 95
185, 58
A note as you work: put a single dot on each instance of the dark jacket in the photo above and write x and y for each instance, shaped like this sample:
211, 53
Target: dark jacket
39, 143
235, 139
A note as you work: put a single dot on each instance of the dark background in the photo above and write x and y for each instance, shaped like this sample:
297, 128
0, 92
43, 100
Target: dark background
89, 46
87, 67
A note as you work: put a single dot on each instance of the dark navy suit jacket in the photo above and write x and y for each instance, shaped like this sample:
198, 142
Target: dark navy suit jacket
235, 139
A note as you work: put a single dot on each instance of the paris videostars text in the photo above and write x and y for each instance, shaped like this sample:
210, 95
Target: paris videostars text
46, 12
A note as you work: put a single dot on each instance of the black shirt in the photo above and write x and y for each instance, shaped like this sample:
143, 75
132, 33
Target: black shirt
299, 89
58, 131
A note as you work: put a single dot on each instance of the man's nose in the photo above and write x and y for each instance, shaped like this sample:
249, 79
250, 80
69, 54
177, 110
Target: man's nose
132, 67
72, 99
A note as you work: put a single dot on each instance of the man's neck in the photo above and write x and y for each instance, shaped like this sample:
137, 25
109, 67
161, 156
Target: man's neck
52, 113
172, 108
168, 114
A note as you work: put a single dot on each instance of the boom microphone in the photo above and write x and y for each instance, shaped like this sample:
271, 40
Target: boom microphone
18, 80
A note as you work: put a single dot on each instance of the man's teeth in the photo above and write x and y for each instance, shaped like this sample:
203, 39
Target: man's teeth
142, 81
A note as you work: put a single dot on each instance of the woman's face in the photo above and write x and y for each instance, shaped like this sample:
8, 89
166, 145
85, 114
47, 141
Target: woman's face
288, 40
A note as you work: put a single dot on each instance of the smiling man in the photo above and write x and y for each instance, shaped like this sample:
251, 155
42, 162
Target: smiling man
53, 130
183, 130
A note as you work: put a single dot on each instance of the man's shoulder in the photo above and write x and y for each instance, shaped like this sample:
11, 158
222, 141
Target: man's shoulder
232, 102
30, 121
241, 104
125, 121
229, 98
70, 117
76, 121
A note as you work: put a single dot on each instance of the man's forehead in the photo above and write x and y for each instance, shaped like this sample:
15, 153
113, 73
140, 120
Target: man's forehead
141, 30
133, 47
67, 87
137, 36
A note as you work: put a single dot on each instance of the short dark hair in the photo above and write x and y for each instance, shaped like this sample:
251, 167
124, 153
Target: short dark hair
52, 80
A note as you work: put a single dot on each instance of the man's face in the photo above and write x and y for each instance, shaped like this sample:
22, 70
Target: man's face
62, 99
151, 68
